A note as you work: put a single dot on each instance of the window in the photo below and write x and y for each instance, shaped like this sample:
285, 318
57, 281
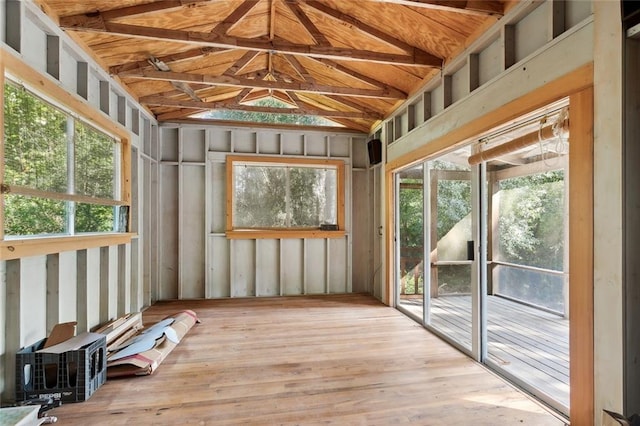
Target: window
61, 175
284, 195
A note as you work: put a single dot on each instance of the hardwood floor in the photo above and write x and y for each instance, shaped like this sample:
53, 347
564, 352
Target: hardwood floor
343, 359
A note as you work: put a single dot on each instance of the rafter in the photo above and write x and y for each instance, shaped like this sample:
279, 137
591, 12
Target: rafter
237, 67
162, 101
302, 71
272, 19
417, 57
179, 113
234, 17
360, 76
313, 31
167, 59
471, 7
263, 84
367, 29
177, 92
243, 93
97, 19
348, 102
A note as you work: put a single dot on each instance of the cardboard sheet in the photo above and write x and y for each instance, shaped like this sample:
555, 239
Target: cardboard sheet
145, 363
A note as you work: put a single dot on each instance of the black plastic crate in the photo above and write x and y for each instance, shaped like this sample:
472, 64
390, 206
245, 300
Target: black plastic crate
71, 376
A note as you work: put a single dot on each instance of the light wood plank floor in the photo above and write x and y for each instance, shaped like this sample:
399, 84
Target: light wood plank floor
528, 343
343, 359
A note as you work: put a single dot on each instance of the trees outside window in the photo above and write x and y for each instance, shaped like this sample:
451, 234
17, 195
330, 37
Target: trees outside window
61, 175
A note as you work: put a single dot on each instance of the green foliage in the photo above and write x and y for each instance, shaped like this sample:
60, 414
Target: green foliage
93, 218
35, 150
95, 165
264, 117
531, 220
33, 216
411, 217
37, 137
269, 196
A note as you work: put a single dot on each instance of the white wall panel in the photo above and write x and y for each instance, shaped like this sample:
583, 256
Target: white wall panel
168, 238
93, 287
576, 11
316, 144
67, 286
219, 139
243, 269
292, 261
34, 43
316, 266
193, 144
361, 234
531, 32
114, 294
33, 299
489, 63
339, 145
292, 144
460, 83
244, 141
68, 70
437, 99
338, 254
218, 196
219, 282
268, 143
192, 238
267, 267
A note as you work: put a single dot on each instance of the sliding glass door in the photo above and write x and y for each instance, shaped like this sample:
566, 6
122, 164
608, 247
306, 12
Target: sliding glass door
482, 251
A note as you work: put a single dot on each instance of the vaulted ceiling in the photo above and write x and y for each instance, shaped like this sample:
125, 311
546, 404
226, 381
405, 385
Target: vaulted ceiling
351, 61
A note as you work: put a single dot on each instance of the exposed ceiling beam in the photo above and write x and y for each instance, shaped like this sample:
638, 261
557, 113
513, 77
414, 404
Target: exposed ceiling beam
234, 17
313, 31
367, 29
179, 113
97, 19
237, 67
177, 92
243, 94
179, 85
237, 81
472, 7
416, 58
348, 102
162, 101
272, 19
361, 77
300, 70
167, 59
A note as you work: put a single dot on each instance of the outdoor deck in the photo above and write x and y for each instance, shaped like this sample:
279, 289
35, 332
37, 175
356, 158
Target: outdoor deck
527, 343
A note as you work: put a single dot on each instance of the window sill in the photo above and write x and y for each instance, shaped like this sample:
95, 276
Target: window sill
37, 246
282, 234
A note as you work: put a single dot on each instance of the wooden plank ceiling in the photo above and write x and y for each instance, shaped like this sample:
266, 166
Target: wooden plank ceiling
353, 62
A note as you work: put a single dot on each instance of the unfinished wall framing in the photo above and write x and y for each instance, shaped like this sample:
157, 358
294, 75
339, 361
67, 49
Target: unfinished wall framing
88, 279
197, 258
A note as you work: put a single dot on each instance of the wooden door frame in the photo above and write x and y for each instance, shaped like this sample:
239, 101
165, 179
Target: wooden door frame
578, 87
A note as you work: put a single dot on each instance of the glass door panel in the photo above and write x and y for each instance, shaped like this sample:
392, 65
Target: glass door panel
527, 323
410, 241
451, 248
